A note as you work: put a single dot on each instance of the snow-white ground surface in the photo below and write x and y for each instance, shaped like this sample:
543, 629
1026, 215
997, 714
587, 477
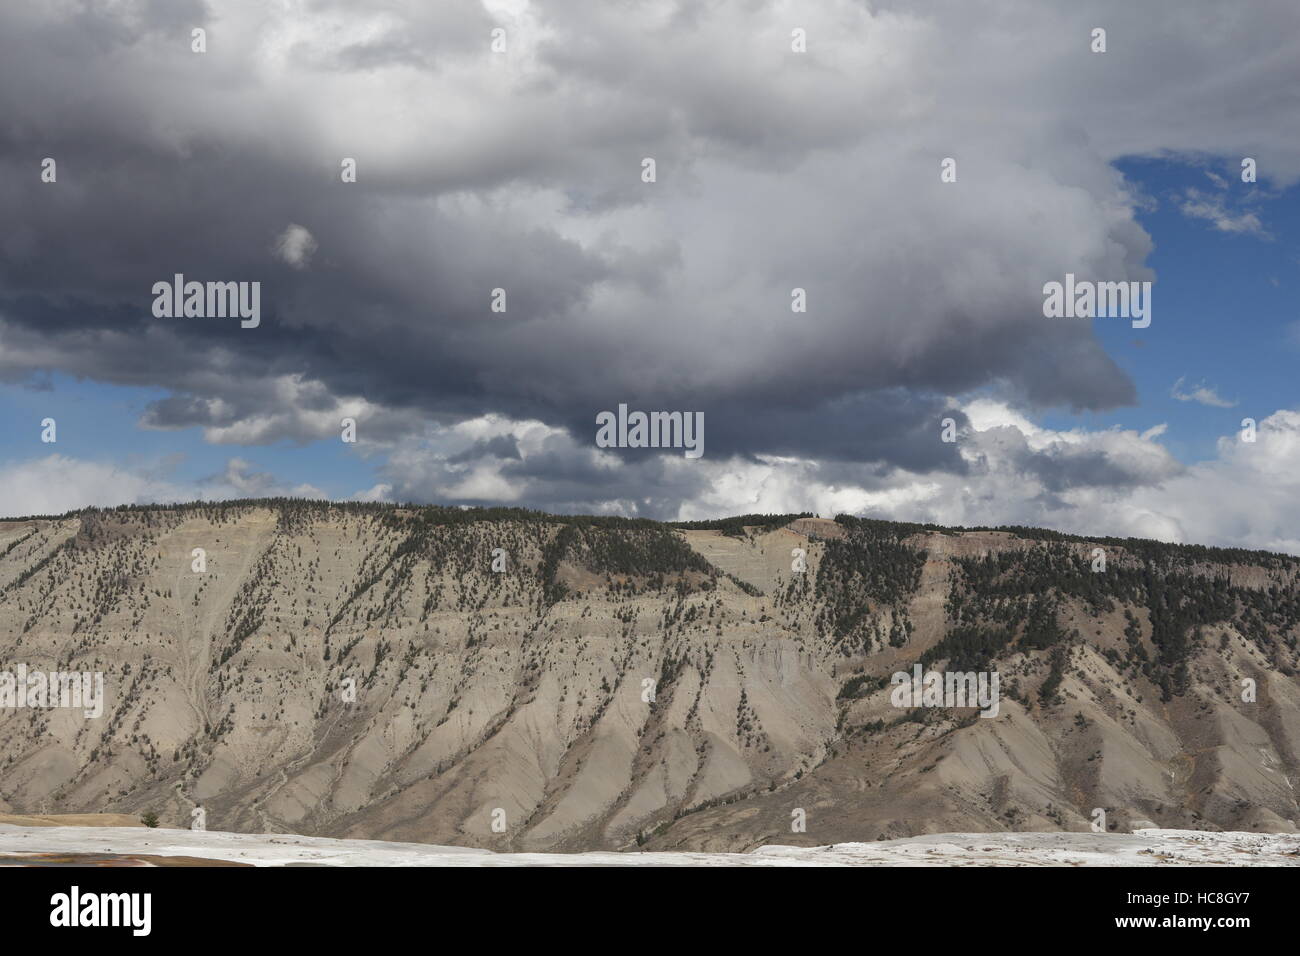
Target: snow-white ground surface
1141, 848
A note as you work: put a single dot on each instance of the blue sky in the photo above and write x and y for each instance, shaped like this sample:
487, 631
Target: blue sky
100, 422
1224, 310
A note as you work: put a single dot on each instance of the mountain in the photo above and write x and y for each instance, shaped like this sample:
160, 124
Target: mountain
363, 671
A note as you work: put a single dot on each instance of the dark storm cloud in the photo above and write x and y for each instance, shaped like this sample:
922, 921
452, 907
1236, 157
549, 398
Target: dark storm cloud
1108, 460
500, 447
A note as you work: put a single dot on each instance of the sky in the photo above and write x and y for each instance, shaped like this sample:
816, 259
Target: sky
502, 145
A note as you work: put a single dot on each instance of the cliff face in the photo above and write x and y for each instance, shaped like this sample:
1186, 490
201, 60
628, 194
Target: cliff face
364, 671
